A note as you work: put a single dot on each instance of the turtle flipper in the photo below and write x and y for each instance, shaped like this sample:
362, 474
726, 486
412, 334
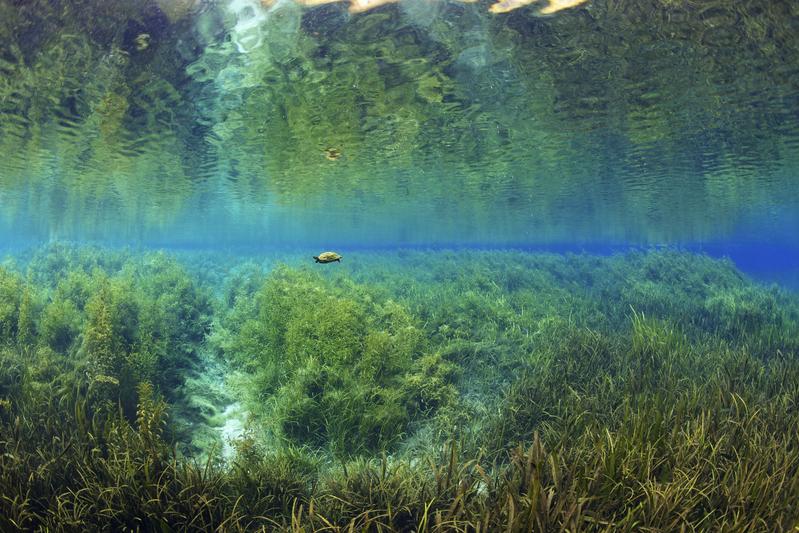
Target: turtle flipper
316, 258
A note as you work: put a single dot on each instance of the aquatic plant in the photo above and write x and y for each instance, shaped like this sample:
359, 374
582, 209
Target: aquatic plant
10, 288
451, 392
333, 356
26, 332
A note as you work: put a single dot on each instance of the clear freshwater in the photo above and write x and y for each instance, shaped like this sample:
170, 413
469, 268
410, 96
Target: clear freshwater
567, 294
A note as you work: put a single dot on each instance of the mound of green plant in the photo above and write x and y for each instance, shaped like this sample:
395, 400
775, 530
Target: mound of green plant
336, 359
123, 320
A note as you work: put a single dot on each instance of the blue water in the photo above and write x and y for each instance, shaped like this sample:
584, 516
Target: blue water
170, 169
249, 125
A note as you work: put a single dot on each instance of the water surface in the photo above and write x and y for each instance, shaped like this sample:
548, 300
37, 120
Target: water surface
418, 122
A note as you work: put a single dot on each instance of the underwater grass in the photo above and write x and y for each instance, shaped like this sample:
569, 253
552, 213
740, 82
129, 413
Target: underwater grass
454, 392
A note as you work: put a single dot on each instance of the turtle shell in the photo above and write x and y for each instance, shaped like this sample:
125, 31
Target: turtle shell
327, 257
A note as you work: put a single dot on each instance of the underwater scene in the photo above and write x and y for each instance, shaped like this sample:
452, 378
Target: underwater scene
399, 265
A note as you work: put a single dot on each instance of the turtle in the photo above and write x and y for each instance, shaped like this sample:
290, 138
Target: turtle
327, 257
142, 41
332, 154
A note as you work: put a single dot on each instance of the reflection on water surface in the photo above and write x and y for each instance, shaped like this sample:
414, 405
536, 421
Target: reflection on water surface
648, 121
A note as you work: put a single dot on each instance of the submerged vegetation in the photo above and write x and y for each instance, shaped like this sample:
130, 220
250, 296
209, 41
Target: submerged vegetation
419, 391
